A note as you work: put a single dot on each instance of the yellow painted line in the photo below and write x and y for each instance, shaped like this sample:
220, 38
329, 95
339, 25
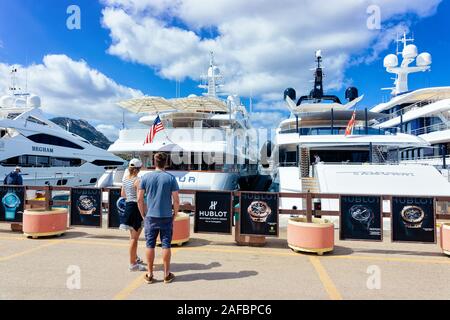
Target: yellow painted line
272, 253
13, 238
136, 283
128, 290
328, 284
22, 253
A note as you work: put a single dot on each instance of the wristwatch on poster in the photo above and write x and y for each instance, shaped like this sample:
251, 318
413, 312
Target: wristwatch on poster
86, 205
361, 216
121, 206
259, 211
413, 217
10, 203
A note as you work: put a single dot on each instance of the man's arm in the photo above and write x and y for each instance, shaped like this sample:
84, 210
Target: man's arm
122, 193
176, 203
141, 203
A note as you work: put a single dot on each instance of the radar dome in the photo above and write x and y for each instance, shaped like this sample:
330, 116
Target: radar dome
424, 59
34, 102
410, 52
391, 61
6, 101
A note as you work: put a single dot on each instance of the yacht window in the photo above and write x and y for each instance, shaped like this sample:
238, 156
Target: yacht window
62, 182
12, 116
54, 141
37, 121
39, 161
106, 163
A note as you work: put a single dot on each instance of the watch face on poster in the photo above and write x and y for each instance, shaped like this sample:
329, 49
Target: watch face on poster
412, 216
259, 211
11, 202
86, 205
362, 215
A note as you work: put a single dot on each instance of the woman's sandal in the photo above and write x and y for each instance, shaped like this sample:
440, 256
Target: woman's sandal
149, 279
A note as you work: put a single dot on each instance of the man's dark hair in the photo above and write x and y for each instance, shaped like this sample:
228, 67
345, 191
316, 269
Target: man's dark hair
161, 160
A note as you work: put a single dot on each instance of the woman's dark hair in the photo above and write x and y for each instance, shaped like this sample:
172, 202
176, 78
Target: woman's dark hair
161, 160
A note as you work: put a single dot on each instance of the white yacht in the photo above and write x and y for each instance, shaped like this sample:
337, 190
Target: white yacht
209, 140
313, 152
47, 154
423, 112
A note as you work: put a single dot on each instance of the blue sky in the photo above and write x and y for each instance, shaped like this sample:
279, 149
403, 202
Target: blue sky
131, 47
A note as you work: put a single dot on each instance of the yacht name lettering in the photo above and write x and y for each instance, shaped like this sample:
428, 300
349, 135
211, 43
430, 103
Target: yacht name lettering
375, 173
188, 179
42, 149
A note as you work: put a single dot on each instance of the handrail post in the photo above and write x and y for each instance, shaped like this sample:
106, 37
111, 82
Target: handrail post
309, 210
48, 198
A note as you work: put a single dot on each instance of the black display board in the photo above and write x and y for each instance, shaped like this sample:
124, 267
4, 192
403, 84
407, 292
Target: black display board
259, 214
12, 206
116, 208
86, 207
413, 219
361, 218
213, 212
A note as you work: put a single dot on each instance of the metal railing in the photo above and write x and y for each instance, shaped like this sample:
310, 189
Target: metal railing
430, 129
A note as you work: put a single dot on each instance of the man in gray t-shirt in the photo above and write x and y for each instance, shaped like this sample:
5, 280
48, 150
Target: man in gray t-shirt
161, 189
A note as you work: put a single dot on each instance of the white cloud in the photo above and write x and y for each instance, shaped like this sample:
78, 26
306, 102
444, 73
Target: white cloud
263, 46
110, 131
72, 88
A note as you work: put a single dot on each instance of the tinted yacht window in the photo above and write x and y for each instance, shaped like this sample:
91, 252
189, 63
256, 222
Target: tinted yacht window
54, 141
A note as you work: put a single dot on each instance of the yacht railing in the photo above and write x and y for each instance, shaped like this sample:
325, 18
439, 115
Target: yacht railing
430, 129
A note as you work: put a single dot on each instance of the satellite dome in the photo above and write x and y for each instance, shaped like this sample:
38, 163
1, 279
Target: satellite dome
424, 59
6, 101
20, 103
192, 96
410, 52
390, 61
34, 101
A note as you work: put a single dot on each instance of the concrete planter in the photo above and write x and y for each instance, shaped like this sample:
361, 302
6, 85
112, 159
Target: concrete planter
42, 223
181, 229
445, 238
316, 237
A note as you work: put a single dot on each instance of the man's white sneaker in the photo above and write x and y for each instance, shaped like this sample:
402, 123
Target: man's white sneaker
137, 267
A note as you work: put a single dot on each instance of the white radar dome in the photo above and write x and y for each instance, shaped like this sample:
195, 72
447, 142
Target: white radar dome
6, 101
34, 102
192, 96
410, 52
390, 61
424, 59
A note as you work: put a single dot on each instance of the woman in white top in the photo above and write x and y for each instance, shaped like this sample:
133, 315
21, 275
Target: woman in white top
132, 220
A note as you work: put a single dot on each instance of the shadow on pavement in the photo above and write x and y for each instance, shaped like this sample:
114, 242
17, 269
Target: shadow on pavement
182, 267
214, 276
400, 252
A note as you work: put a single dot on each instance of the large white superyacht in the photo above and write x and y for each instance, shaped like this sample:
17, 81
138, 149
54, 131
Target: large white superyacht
46, 153
209, 140
314, 153
424, 112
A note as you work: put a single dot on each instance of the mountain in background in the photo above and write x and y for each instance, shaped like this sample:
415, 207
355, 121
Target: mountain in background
84, 130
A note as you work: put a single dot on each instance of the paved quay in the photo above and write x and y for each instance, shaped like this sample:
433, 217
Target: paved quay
92, 264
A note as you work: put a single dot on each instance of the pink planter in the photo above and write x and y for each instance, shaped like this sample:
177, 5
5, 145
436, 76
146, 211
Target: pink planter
181, 229
41, 223
316, 237
445, 238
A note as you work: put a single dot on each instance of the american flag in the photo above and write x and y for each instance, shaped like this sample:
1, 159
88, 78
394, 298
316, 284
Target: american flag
351, 125
156, 127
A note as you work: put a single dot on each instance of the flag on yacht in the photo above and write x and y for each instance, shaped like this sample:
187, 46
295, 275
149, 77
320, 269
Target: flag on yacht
156, 127
351, 125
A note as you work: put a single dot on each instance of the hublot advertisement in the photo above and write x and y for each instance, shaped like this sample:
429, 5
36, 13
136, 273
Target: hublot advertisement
413, 220
213, 213
259, 214
13, 200
116, 205
361, 218
86, 207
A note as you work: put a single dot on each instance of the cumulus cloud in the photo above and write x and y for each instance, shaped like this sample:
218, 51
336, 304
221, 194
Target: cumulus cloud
263, 46
74, 89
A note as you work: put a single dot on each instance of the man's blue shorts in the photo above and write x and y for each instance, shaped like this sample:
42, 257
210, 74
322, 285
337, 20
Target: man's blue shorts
158, 226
